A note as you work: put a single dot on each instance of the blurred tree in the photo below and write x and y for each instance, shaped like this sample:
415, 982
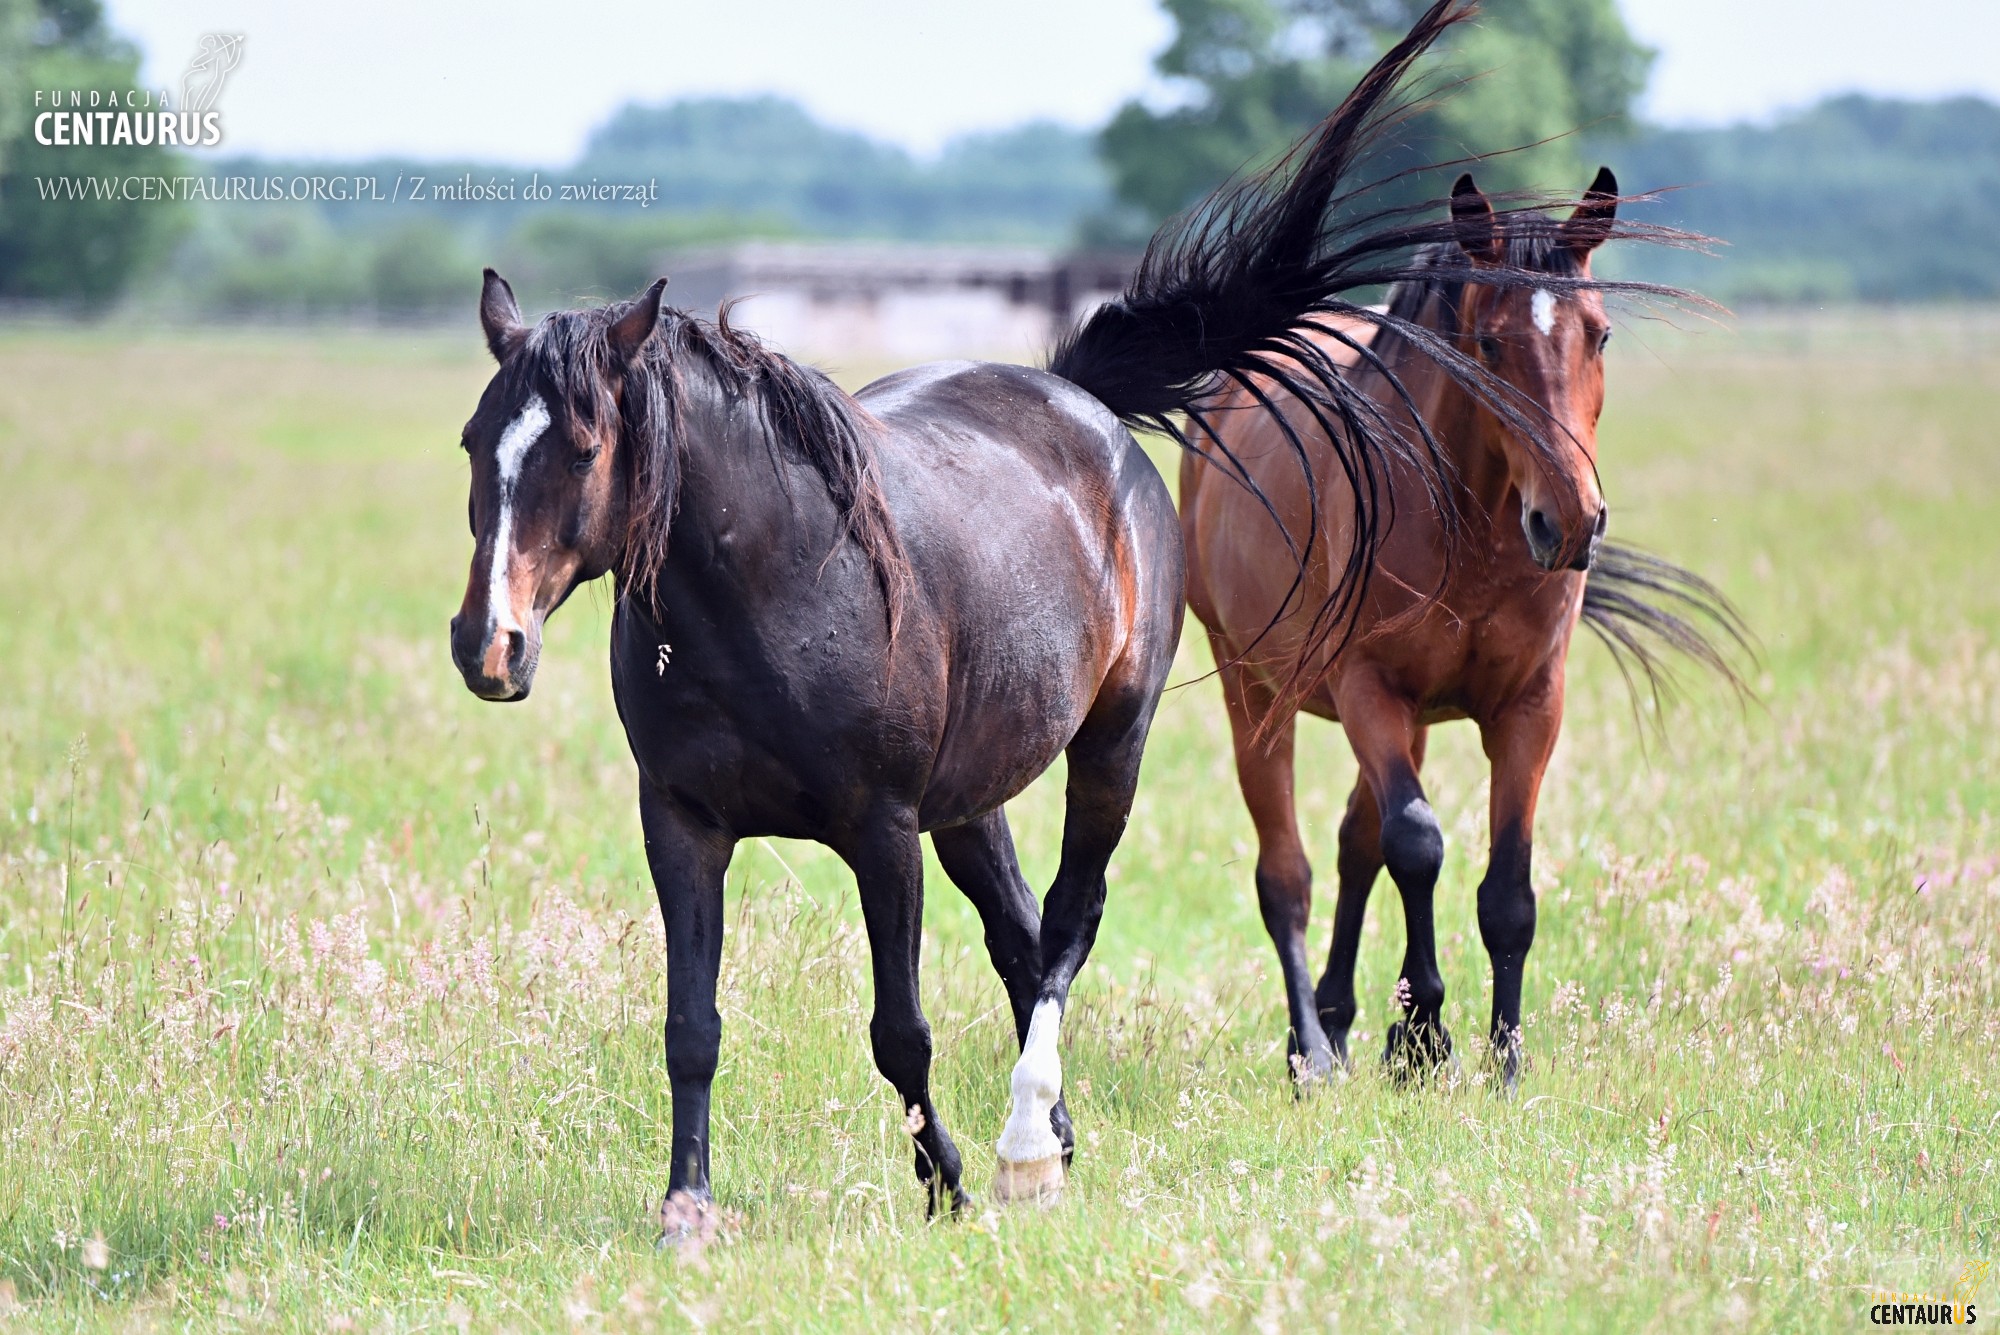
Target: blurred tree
83, 249
420, 267
561, 258
1855, 198
1255, 74
769, 157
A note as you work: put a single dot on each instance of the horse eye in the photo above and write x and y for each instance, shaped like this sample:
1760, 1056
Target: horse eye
1604, 340
583, 463
1489, 347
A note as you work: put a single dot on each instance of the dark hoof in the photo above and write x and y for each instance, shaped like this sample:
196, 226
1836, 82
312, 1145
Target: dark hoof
947, 1201
1312, 1069
688, 1222
1417, 1053
1065, 1133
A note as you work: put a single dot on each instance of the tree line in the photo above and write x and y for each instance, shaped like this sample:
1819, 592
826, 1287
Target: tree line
1853, 199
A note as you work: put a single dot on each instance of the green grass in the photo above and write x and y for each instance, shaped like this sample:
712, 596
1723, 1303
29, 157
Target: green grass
329, 996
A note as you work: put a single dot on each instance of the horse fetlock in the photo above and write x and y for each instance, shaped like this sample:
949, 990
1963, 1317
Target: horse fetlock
1504, 1057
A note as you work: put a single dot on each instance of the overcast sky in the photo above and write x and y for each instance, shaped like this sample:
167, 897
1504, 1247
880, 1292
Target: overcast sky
435, 78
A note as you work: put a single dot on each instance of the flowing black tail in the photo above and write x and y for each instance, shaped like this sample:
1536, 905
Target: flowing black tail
1231, 292
1222, 288
1643, 607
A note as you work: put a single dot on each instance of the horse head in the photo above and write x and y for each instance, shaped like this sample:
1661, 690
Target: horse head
549, 493
1545, 342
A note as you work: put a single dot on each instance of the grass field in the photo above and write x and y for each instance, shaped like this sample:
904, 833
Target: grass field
330, 996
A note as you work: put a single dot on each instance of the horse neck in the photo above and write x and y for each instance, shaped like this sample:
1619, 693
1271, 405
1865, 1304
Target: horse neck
742, 497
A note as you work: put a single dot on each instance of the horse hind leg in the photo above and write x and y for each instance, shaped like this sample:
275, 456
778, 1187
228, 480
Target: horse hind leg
1382, 729
1103, 778
1360, 863
979, 858
1265, 774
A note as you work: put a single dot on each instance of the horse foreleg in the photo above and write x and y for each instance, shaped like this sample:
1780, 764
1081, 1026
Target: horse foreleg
688, 861
1265, 772
1518, 743
888, 864
1382, 728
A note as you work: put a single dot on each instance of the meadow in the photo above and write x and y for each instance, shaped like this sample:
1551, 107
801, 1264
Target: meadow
330, 997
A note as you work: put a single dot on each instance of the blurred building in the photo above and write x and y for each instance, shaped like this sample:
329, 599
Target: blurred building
881, 302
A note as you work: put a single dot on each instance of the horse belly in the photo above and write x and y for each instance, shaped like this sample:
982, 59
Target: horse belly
1018, 697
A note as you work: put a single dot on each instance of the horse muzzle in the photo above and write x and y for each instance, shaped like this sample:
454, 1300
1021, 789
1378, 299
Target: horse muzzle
1554, 549
498, 663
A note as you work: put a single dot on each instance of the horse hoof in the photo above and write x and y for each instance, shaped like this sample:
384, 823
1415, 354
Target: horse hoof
1415, 1056
1032, 1182
1312, 1073
687, 1223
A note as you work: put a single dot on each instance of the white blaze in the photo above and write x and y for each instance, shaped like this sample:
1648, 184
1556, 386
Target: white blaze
1543, 307
515, 441
1028, 1137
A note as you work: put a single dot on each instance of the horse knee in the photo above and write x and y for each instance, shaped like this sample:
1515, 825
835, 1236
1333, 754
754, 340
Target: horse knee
1413, 844
693, 1045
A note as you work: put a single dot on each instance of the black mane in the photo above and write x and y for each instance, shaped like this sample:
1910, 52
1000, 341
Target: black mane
804, 415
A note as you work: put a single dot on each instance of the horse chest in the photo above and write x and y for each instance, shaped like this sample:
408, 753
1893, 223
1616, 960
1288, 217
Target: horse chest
1481, 645
769, 735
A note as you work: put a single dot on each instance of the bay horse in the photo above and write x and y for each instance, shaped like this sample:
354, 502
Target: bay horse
1466, 609
859, 619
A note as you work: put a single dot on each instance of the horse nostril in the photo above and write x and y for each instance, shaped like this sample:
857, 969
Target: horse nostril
517, 646
1543, 536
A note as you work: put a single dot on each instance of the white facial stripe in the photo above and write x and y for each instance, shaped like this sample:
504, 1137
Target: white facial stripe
1543, 308
521, 433
515, 442
1028, 1137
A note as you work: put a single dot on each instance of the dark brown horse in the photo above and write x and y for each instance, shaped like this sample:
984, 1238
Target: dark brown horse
860, 619
1471, 594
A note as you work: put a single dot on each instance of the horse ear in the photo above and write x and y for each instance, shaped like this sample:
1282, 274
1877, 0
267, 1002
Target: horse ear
1478, 233
500, 317
630, 330
1590, 226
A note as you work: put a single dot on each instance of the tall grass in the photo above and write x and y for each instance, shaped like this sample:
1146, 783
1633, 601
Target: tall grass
330, 997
